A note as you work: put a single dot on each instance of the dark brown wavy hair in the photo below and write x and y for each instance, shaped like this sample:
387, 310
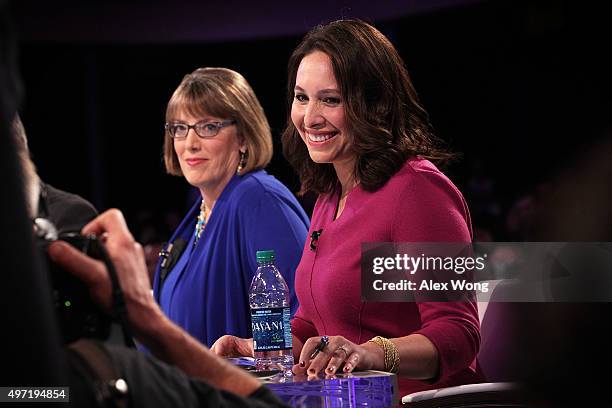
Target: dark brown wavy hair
383, 113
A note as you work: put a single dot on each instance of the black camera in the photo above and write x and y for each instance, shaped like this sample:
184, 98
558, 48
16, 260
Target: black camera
79, 317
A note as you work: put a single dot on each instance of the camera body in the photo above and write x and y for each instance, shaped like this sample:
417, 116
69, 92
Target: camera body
78, 316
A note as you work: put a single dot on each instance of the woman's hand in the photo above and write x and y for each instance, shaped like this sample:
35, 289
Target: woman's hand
232, 346
338, 352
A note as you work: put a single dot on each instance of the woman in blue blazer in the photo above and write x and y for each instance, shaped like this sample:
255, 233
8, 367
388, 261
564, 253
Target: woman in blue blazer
218, 138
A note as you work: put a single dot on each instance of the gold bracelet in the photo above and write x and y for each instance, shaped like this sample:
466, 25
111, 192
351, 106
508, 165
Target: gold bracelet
391, 355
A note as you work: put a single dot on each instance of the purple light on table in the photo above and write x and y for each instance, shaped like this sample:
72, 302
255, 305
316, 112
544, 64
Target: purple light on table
359, 389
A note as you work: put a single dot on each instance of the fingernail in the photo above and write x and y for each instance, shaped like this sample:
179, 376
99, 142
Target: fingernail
302, 364
311, 371
347, 368
331, 369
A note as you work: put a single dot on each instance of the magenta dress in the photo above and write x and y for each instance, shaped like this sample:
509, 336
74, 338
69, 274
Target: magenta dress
418, 204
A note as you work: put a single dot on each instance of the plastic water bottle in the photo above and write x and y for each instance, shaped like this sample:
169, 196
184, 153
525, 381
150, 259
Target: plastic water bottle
270, 316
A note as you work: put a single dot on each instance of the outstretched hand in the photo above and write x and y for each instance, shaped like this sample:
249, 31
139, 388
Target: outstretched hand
232, 346
338, 352
166, 340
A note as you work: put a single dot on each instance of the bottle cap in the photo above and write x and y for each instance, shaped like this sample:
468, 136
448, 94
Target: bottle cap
265, 256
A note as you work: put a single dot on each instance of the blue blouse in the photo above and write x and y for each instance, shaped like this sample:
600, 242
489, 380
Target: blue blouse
206, 291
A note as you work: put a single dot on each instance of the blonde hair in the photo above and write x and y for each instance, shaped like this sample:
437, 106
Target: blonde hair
226, 94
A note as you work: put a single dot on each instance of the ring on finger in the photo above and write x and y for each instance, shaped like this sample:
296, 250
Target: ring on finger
343, 348
319, 347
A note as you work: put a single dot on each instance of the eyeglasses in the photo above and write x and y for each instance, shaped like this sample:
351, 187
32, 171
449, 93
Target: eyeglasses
203, 129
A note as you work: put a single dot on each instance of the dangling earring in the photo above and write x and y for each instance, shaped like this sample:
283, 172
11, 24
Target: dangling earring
241, 163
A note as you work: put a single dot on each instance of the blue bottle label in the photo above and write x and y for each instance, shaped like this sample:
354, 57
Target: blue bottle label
271, 329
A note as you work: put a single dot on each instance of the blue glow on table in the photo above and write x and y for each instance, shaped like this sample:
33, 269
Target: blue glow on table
358, 389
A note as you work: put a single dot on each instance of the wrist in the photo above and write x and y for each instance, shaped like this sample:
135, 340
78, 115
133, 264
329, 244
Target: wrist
376, 356
148, 323
391, 357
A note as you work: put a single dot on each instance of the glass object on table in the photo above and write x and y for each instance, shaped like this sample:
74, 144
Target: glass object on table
270, 316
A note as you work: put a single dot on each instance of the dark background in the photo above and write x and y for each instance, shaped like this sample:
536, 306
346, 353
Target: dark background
519, 88
522, 89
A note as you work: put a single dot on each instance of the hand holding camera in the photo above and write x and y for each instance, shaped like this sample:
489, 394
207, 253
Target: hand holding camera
125, 256
79, 317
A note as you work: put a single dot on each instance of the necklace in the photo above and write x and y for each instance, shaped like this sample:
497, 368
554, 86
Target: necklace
201, 221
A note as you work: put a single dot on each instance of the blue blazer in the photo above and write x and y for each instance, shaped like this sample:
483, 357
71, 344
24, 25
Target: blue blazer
204, 288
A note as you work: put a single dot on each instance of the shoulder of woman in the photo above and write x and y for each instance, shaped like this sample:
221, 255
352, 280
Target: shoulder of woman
263, 187
250, 188
421, 179
420, 191
431, 207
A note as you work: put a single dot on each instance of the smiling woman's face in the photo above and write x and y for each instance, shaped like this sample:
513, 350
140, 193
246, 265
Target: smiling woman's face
317, 111
207, 164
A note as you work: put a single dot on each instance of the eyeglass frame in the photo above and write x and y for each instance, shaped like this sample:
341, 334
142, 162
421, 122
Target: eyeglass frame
218, 126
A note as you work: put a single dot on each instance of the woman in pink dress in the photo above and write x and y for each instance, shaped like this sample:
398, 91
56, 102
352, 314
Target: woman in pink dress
358, 136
